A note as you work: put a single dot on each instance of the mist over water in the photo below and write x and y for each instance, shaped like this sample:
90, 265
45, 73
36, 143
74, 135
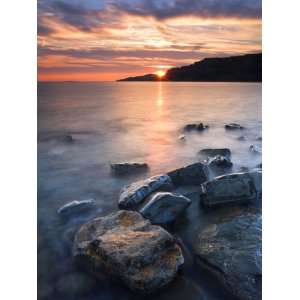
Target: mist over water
123, 122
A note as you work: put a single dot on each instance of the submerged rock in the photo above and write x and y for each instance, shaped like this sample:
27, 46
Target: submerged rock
76, 206
219, 162
164, 208
193, 174
255, 149
241, 138
212, 152
132, 195
128, 168
195, 127
144, 257
233, 126
231, 188
232, 251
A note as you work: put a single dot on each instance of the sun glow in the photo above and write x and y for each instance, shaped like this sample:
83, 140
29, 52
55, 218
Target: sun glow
160, 73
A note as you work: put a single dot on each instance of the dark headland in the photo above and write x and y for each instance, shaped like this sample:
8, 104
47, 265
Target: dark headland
242, 68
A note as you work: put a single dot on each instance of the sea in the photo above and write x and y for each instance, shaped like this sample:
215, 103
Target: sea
83, 127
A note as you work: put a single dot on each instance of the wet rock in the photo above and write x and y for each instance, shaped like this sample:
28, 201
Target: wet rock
231, 188
128, 168
164, 208
75, 284
182, 138
254, 149
212, 152
220, 162
241, 138
193, 174
195, 127
76, 206
233, 126
256, 176
144, 257
232, 251
132, 195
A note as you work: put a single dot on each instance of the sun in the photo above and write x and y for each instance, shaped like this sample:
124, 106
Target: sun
160, 73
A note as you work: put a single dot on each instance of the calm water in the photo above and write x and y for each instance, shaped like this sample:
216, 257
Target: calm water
112, 122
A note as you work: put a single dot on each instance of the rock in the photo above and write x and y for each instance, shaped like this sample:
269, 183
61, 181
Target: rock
220, 162
259, 138
132, 195
259, 166
193, 174
256, 176
212, 152
182, 138
232, 251
76, 206
230, 188
164, 208
128, 168
233, 126
144, 257
241, 138
254, 149
195, 127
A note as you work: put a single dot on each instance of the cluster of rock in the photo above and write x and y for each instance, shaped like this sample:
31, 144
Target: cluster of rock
133, 245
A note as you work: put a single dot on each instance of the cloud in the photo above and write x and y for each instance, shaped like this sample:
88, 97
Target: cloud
161, 9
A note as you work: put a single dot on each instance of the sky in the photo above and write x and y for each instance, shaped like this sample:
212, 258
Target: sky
103, 40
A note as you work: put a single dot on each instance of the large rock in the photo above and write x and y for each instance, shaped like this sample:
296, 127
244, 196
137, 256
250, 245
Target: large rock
128, 168
232, 251
219, 162
125, 245
231, 188
233, 126
195, 127
76, 206
164, 208
212, 152
132, 195
193, 174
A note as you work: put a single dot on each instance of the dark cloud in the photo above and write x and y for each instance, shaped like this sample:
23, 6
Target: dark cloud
75, 14
205, 8
43, 30
112, 54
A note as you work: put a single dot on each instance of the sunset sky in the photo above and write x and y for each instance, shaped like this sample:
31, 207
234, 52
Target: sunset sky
110, 39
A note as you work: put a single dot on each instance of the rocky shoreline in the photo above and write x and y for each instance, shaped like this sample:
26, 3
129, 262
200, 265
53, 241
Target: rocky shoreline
142, 244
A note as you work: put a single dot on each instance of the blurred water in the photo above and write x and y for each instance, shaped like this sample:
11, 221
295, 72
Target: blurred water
132, 121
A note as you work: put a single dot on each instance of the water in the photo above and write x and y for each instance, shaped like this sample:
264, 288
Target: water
133, 121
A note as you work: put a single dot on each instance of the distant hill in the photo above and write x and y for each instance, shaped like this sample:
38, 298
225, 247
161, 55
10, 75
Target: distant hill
242, 68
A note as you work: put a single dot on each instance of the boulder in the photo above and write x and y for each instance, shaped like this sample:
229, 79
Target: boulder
128, 168
232, 250
126, 246
233, 126
230, 188
164, 208
195, 127
76, 206
134, 194
219, 162
193, 174
212, 152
